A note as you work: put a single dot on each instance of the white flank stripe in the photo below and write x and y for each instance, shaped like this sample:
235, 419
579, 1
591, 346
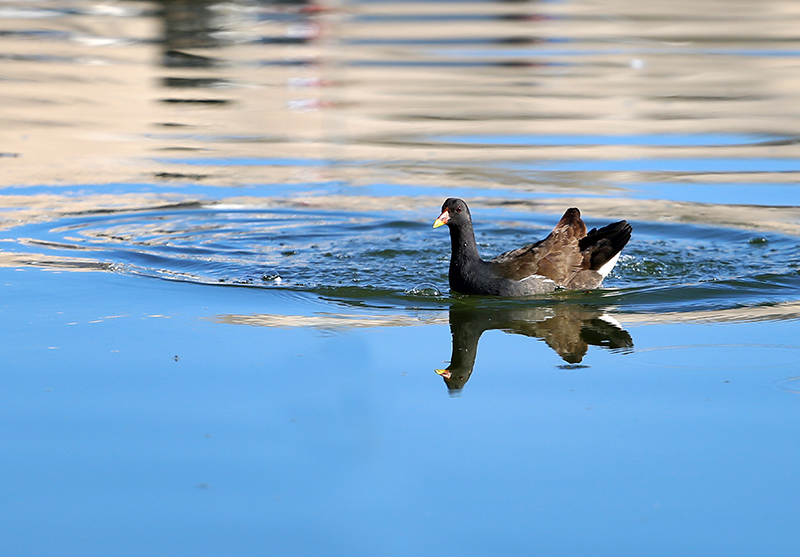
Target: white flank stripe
544, 279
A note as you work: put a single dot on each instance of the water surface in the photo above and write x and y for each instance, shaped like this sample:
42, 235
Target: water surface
227, 322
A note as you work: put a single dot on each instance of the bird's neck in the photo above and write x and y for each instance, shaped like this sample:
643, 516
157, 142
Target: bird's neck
464, 250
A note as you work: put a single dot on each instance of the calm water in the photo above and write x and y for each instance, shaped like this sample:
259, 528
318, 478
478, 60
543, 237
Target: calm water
226, 317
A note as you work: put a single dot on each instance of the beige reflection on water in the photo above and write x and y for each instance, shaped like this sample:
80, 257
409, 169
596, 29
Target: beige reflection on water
327, 321
122, 93
341, 321
113, 87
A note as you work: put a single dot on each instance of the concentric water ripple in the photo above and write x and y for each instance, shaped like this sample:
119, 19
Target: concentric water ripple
390, 255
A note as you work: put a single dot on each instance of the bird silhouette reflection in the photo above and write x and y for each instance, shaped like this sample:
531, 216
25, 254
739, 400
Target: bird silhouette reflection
568, 329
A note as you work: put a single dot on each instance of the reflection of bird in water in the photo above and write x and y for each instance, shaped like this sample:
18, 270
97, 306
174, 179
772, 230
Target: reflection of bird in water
568, 329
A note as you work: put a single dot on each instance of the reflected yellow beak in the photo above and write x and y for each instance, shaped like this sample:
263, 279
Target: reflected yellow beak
443, 372
443, 218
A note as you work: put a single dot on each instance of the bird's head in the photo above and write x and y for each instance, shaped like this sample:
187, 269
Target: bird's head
454, 211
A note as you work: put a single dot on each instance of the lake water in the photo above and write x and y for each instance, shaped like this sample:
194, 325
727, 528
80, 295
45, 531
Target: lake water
226, 320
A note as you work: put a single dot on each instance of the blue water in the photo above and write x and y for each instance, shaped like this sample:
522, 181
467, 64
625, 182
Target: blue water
226, 316
182, 434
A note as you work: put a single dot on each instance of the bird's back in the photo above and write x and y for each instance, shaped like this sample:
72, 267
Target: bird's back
568, 256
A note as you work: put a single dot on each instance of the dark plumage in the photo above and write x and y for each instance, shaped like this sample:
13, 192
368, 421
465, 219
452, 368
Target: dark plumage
568, 258
567, 328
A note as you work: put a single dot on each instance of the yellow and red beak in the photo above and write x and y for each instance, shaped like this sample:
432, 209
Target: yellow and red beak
443, 218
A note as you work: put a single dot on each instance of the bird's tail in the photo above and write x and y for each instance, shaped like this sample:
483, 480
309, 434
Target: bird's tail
603, 245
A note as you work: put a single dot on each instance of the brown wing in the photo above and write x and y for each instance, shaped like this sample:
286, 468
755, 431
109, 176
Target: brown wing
557, 257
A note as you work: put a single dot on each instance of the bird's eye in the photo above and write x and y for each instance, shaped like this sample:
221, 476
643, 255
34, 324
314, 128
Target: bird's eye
458, 209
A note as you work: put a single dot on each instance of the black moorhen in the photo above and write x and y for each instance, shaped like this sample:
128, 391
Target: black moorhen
568, 258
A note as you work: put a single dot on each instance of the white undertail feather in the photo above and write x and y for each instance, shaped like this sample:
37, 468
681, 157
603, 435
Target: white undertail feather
608, 265
611, 321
